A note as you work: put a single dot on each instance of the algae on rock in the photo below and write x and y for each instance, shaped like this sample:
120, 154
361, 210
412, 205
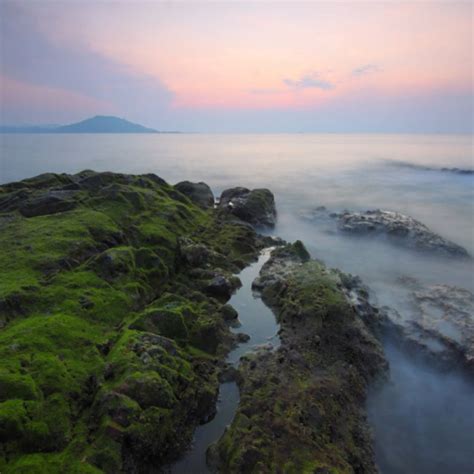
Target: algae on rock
110, 348
302, 405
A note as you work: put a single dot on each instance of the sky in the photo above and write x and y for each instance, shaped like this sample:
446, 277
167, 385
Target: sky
267, 66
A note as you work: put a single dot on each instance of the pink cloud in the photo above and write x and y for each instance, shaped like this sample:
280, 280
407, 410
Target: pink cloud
42, 103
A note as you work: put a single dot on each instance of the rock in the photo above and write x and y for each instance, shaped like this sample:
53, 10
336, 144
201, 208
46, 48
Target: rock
228, 374
447, 314
242, 337
113, 263
11, 201
256, 207
399, 227
49, 203
148, 389
119, 407
116, 308
199, 193
221, 287
293, 398
228, 313
94, 181
194, 254
437, 321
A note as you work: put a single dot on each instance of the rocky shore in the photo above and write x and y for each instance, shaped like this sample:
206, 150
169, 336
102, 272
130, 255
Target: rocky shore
398, 228
113, 318
114, 328
302, 405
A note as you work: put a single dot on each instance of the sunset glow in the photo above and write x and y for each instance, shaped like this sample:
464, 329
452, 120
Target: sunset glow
207, 58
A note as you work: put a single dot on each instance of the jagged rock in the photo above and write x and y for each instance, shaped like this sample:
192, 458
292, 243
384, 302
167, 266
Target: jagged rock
446, 313
198, 254
148, 389
118, 406
292, 398
199, 193
438, 320
49, 203
228, 374
241, 337
94, 181
256, 207
127, 348
228, 313
222, 287
401, 228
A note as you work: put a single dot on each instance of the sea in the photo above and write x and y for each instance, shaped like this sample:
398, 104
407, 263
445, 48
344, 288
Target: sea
423, 417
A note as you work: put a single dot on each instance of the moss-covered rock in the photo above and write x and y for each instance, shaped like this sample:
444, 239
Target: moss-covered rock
257, 206
302, 406
199, 193
109, 344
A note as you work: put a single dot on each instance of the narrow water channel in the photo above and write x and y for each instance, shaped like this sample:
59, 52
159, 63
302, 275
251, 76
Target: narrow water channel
258, 321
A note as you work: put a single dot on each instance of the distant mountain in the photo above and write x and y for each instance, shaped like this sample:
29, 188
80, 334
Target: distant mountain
104, 124
97, 124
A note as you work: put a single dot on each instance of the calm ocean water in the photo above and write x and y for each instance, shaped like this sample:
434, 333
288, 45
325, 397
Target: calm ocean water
426, 415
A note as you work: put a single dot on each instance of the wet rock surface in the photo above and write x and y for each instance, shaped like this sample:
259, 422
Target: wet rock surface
443, 321
400, 229
256, 206
437, 323
122, 280
293, 398
199, 193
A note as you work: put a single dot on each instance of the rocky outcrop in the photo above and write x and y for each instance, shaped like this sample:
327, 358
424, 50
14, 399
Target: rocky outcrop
199, 193
257, 206
400, 229
222, 287
49, 203
438, 322
122, 280
294, 398
446, 313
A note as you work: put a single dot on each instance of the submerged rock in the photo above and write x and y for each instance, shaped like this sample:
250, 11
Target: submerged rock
446, 314
256, 206
399, 227
199, 193
437, 321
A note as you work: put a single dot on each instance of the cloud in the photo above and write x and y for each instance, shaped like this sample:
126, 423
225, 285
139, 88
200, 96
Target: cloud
365, 69
309, 81
263, 91
33, 60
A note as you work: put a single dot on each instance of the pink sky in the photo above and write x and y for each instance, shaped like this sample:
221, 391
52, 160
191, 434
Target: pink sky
227, 56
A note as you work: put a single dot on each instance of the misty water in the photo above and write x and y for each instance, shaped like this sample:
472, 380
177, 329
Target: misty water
423, 417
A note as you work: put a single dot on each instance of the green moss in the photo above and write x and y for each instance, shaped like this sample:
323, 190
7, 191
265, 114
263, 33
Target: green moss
72, 284
148, 389
17, 386
49, 464
292, 402
12, 420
